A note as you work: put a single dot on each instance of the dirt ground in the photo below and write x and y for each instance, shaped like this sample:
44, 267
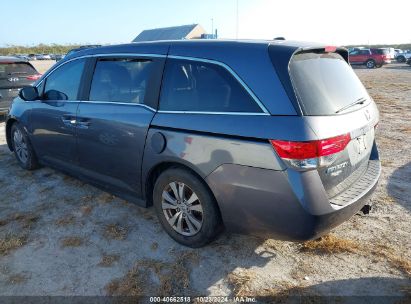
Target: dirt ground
59, 236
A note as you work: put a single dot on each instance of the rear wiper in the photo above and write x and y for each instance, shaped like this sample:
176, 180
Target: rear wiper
358, 101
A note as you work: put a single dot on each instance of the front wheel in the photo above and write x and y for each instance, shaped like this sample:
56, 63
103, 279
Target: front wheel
22, 148
370, 64
186, 208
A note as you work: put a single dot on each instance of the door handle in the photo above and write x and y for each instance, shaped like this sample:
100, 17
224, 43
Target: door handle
69, 120
83, 123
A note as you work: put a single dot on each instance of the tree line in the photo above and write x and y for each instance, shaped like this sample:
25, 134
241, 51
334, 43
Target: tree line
38, 49
63, 49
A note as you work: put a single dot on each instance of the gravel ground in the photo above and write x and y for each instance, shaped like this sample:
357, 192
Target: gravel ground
59, 236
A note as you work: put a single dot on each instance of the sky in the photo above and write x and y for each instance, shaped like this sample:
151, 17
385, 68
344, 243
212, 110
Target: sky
120, 21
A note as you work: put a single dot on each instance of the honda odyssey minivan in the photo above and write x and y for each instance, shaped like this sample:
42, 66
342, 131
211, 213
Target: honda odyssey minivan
271, 138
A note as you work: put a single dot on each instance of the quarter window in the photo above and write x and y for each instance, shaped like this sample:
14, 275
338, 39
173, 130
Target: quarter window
203, 87
64, 83
120, 80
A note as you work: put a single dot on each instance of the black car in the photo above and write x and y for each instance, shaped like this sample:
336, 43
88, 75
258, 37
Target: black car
15, 73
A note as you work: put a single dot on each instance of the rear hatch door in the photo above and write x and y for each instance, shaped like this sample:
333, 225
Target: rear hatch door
14, 76
334, 102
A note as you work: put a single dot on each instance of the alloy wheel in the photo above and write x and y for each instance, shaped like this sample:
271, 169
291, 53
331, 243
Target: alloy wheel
182, 208
20, 146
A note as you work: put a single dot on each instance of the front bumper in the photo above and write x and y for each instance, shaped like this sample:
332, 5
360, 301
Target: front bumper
284, 205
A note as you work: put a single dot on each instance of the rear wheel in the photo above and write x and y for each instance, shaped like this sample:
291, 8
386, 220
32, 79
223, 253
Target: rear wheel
401, 59
186, 208
22, 148
370, 64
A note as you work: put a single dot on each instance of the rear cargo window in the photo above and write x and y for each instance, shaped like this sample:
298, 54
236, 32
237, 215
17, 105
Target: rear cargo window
324, 83
16, 69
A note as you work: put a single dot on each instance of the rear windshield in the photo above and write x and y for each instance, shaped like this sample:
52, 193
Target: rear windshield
15, 69
324, 83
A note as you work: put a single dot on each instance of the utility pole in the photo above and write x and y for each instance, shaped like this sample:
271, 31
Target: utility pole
237, 23
212, 26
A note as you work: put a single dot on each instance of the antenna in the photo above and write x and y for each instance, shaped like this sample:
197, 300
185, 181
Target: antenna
237, 25
212, 26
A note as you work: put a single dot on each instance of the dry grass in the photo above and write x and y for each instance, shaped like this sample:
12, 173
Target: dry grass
285, 292
25, 219
115, 232
389, 254
16, 279
86, 210
10, 243
108, 260
66, 220
105, 198
241, 282
72, 241
174, 277
330, 244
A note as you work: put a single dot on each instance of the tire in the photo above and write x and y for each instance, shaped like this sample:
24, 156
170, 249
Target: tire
370, 64
192, 224
401, 59
22, 148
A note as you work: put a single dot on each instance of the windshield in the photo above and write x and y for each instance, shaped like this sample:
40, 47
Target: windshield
324, 83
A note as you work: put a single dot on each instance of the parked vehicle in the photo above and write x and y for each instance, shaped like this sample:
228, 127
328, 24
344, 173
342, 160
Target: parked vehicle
32, 57
15, 73
371, 58
390, 52
46, 57
404, 56
58, 57
398, 52
409, 61
208, 138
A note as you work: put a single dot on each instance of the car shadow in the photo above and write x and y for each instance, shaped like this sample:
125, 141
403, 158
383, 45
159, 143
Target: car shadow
398, 67
398, 186
361, 290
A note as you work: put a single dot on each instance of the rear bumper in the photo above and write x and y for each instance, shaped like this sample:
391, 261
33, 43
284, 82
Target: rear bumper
285, 205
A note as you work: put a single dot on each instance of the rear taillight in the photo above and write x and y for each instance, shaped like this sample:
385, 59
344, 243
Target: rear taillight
310, 154
33, 77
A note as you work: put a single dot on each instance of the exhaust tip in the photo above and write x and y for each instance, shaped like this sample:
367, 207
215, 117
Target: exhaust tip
366, 209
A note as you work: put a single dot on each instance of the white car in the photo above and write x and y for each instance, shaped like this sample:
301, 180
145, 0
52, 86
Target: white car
404, 56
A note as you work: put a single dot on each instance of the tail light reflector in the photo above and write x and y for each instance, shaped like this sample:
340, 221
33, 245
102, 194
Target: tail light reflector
33, 77
310, 154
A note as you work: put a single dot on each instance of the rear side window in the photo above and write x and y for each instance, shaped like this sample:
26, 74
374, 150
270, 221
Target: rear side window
324, 83
16, 69
120, 80
64, 83
203, 87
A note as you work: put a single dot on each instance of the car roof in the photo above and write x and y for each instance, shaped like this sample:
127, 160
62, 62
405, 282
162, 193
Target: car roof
163, 47
10, 59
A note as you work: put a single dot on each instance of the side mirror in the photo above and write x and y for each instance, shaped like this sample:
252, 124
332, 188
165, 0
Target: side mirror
55, 95
29, 93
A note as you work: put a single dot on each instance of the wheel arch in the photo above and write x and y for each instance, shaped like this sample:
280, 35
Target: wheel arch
9, 124
159, 168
